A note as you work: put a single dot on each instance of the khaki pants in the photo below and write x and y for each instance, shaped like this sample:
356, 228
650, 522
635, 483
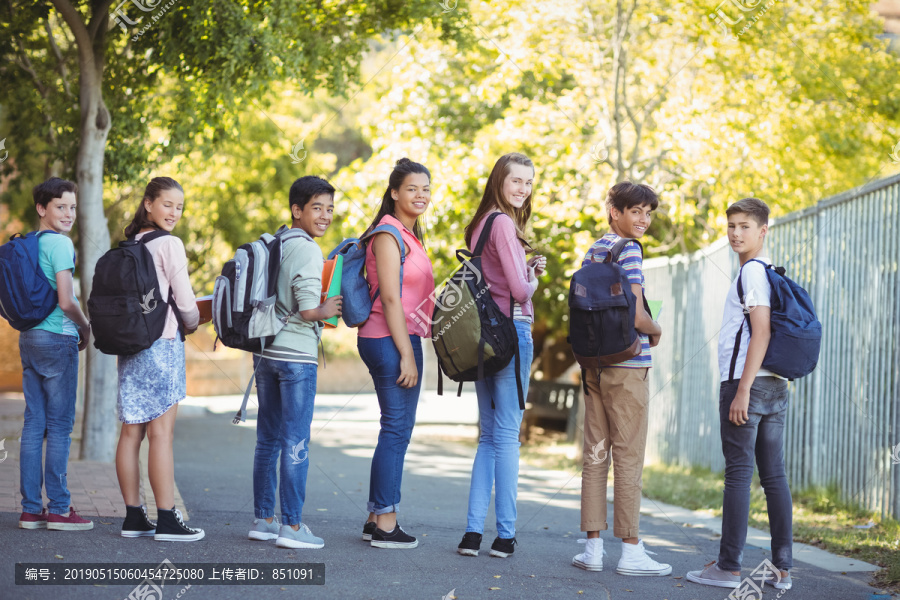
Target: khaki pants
615, 429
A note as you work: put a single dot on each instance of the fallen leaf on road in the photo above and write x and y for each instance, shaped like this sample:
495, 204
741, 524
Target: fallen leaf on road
496, 576
59, 556
494, 588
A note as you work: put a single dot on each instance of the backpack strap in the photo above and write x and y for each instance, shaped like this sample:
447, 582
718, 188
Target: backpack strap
150, 236
737, 338
170, 301
485, 234
618, 247
388, 228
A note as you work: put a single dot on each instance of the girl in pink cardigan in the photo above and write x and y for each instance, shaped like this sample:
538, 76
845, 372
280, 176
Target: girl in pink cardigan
511, 277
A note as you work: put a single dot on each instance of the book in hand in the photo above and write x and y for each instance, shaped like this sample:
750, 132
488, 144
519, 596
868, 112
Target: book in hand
331, 284
204, 305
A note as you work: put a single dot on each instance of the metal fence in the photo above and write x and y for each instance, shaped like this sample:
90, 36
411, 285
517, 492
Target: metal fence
843, 423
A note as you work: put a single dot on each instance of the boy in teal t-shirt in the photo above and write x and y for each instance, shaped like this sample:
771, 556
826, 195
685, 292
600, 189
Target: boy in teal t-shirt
49, 354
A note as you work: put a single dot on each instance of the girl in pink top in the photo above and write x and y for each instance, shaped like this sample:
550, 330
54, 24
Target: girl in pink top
152, 382
513, 281
390, 342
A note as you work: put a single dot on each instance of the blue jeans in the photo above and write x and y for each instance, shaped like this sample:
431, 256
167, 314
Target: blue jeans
398, 415
761, 436
497, 457
286, 393
50, 383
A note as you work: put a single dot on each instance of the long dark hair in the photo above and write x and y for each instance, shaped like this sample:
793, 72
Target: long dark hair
141, 219
493, 198
403, 168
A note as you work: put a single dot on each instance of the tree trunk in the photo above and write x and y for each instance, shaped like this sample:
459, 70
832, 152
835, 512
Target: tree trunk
98, 440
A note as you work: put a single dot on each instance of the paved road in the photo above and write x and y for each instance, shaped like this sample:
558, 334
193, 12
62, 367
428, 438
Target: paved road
213, 471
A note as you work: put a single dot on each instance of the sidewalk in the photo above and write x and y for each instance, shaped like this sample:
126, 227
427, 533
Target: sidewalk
214, 474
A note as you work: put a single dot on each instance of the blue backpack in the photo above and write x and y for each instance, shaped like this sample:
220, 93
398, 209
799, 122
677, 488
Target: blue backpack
796, 331
26, 296
357, 297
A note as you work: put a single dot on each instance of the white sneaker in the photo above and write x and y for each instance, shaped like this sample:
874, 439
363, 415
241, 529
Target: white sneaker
592, 557
635, 562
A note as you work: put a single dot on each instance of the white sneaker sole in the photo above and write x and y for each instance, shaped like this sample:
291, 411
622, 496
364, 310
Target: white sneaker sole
137, 534
395, 545
586, 566
713, 582
260, 536
70, 526
498, 554
646, 573
175, 537
32, 524
289, 543
367, 537
467, 552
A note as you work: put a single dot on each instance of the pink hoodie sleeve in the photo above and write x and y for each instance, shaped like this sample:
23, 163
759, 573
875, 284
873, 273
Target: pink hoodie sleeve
511, 255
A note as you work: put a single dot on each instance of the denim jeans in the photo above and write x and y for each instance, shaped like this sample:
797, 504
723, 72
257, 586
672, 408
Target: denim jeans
286, 393
497, 458
50, 382
761, 436
398, 415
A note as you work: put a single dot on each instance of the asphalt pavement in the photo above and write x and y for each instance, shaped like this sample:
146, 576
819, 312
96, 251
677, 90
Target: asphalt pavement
214, 476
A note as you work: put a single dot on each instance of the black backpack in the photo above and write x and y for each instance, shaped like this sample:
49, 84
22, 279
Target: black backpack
472, 337
601, 312
126, 309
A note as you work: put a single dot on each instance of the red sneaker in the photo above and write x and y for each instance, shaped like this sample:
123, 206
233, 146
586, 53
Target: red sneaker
71, 523
32, 521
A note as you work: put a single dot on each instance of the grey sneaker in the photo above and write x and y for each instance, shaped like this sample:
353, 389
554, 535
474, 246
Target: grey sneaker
783, 583
713, 575
262, 530
302, 538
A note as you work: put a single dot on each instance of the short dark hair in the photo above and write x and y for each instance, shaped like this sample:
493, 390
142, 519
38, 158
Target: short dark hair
44, 193
306, 188
754, 207
625, 195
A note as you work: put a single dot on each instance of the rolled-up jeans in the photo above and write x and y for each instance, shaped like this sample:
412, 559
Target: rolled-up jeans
762, 437
398, 415
286, 392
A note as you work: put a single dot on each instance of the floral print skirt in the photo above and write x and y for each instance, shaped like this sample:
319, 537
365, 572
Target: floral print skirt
151, 381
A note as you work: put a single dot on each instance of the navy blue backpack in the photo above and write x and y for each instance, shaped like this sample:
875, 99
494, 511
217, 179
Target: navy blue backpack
796, 331
602, 309
357, 297
26, 296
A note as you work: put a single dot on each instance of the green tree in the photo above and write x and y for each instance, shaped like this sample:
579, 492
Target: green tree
800, 106
86, 80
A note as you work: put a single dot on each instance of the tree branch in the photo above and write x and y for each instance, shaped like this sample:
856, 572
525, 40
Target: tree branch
61, 65
79, 30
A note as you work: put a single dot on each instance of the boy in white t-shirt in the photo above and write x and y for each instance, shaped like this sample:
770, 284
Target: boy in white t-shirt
752, 409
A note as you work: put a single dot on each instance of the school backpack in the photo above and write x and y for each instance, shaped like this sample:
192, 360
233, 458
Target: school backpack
244, 295
793, 350
127, 311
472, 337
357, 297
26, 295
602, 310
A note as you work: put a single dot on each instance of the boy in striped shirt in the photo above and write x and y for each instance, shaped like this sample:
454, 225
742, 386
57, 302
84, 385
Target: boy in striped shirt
616, 403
